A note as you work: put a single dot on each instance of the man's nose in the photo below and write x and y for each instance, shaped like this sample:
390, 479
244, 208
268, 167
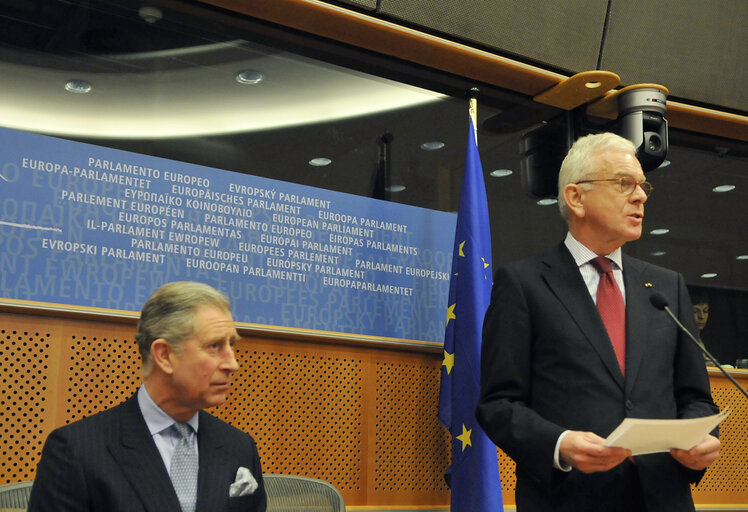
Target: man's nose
229, 360
638, 195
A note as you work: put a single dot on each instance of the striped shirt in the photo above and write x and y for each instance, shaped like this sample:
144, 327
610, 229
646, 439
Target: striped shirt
582, 256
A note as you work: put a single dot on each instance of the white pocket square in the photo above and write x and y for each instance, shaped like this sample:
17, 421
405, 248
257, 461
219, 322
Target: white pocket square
244, 483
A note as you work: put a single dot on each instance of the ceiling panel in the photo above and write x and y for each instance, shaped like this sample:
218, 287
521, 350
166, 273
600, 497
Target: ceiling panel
697, 49
564, 35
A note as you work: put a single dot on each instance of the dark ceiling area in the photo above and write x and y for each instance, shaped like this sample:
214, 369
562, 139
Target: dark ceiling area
637, 39
708, 230
86, 27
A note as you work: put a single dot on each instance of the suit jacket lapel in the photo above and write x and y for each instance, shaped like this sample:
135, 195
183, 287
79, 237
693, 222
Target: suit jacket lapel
215, 474
638, 316
565, 281
140, 461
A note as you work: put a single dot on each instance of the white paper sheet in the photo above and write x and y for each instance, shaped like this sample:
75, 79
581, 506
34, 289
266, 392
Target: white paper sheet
651, 436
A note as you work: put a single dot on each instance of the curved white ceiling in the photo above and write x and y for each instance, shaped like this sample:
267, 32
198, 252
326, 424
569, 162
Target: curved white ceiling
191, 98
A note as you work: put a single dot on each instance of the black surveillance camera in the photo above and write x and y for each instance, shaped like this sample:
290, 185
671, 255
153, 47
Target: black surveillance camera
641, 119
542, 149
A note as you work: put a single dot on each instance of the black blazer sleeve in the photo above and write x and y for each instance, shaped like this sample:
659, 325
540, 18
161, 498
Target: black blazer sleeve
505, 410
59, 485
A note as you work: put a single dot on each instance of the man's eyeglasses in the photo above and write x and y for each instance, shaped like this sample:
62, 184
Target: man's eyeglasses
626, 184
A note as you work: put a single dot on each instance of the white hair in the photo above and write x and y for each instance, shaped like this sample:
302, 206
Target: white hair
581, 160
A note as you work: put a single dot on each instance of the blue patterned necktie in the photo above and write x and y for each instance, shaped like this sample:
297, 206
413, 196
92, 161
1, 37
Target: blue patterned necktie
184, 467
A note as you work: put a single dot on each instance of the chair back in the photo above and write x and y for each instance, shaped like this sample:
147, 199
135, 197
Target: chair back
285, 493
15, 496
288, 493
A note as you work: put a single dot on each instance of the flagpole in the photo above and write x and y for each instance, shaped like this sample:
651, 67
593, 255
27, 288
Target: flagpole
473, 110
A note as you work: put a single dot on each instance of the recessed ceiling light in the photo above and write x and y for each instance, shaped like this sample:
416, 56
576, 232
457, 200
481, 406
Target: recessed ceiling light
709, 275
249, 77
501, 173
395, 188
78, 86
150, 14
432, 145
657, 253
723, 188
547, 201
320, 161
742, 257
659, 231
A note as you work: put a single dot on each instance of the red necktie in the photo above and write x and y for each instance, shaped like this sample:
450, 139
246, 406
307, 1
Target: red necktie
611, 308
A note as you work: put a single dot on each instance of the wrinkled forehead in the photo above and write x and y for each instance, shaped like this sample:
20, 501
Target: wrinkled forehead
617, 163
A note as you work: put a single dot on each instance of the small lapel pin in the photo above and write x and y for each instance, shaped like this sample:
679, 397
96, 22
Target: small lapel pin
647, 285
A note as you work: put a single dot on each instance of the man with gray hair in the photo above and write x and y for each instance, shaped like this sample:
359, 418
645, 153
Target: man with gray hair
572, 346
159, 451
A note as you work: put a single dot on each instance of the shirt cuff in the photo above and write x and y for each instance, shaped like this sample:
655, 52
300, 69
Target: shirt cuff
556, 457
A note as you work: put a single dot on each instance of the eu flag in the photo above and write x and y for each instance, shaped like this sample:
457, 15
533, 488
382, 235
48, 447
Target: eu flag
473, 476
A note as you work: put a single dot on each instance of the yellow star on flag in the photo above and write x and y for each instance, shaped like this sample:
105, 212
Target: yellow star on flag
449, 361
451, 313
465, 437
460, 249
485, 265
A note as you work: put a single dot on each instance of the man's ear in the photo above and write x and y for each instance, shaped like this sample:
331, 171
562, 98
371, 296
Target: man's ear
573, 195
163, 355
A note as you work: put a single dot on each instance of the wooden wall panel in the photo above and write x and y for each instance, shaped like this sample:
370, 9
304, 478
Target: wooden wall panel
361, 417
304, 405
28, 367
55, 371
99, 368
726, 482
411, 448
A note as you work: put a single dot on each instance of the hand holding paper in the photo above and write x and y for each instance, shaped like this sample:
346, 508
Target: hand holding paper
586, 451
700, 456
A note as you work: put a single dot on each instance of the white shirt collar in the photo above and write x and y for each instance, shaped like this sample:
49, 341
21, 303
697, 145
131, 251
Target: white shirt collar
583, 255
155, 417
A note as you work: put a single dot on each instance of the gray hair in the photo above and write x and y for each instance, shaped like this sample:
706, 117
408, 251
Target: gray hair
170, 314
582, 160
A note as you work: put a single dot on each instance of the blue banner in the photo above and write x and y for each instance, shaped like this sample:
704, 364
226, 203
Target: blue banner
90, 226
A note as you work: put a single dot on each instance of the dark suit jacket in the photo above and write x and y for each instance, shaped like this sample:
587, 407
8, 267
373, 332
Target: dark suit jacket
548, 366
108, 462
